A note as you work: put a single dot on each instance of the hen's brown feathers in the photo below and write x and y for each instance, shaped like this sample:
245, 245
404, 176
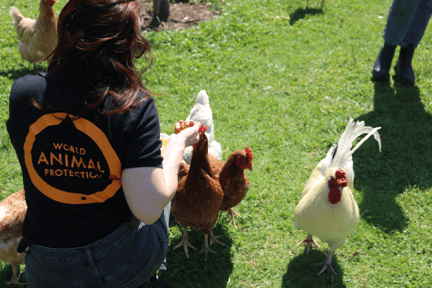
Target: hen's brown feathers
12, 213
199, 194
232, 178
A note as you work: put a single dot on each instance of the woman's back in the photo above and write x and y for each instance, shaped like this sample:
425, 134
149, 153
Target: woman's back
72, 167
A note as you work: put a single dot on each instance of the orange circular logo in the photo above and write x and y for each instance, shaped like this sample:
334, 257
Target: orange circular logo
101, 141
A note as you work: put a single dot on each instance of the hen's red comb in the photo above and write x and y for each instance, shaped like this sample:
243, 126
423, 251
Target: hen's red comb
249, 155
51, 2
203, 128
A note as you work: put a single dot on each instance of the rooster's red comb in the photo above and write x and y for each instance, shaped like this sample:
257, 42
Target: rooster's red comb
341, 178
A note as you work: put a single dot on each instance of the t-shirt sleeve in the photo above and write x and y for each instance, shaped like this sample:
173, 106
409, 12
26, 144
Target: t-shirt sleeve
143, 146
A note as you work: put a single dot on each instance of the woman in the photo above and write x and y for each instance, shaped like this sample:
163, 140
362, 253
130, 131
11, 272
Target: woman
406, 23
87, 138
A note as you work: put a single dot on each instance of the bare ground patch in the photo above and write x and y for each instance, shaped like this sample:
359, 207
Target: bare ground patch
182, 15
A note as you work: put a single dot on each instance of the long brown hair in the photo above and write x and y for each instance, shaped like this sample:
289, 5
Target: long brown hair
97, 43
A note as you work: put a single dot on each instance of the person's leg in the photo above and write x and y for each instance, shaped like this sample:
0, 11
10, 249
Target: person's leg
404, 71
166, 212
161, 11
399, 18
155, 281
418, 26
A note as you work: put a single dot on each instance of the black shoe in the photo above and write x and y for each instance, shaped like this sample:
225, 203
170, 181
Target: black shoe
381, 68
154, 282
404, 71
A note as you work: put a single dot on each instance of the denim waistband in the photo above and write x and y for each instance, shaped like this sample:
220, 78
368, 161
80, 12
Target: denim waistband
78, 254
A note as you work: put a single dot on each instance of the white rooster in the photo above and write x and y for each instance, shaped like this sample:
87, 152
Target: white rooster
327, 208
201, 112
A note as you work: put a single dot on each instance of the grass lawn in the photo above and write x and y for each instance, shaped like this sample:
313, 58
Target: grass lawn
284, 81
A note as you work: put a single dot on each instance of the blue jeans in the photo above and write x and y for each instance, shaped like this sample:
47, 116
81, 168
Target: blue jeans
407, 21
125, 258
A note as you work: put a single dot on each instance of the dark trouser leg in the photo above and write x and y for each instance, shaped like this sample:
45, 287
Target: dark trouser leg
399, 20
404, 71
161, 11
417, 26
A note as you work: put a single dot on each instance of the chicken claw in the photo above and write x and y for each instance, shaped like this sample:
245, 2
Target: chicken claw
232, 213
213, 239
206, 247
14, 280
185, 243
326, 263
309, 240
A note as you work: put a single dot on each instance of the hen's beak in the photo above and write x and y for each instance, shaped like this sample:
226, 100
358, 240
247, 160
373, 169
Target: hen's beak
250, 168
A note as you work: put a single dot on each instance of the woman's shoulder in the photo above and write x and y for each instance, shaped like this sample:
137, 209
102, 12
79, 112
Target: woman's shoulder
28, 85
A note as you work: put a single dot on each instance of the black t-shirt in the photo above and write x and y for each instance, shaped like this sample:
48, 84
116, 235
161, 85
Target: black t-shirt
72, 168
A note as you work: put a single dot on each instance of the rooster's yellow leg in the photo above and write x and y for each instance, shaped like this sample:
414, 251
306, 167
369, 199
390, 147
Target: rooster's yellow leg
185, 243
213, 239
326, 263
232, 213
206, 247
309, 240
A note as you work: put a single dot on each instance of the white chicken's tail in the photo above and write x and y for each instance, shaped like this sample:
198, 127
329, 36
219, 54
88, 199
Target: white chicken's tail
16, 15
340, 154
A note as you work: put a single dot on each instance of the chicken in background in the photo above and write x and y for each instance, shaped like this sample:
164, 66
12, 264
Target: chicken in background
232, 178
201, 112
12, 213
199, 196
37, 38
327, 208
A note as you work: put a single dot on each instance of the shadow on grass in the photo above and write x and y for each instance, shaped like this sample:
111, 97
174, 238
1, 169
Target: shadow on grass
195, 272
302, 272
301, 13
405, 160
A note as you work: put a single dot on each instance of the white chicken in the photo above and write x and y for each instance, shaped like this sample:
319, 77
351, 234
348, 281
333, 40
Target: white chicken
327, 208
201, 112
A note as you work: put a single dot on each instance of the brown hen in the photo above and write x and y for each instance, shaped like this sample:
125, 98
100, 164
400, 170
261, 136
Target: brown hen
199, 197
12, 213
232, 178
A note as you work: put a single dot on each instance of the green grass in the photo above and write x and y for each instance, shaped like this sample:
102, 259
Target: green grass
284, 82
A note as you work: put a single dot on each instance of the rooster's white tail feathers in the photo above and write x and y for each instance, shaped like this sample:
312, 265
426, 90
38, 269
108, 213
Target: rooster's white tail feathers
342, 158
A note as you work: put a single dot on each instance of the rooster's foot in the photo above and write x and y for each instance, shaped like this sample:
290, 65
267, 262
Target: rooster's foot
206, 247
185, 243
309, 240
213, 239
232, 213
326, 263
